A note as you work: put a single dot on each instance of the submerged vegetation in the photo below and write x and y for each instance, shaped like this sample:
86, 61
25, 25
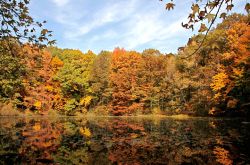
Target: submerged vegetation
214, 81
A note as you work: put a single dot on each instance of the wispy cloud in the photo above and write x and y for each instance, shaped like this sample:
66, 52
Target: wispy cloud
61, 3
153, 28
132, 24
150, 27
111, 13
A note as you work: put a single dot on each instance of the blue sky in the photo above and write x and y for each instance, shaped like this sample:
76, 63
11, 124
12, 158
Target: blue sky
105, 24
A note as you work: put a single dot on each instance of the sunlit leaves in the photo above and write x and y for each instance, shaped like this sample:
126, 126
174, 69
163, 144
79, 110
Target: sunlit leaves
49, 88
219, 81
85, 132
86, 101
38, 104
56, 62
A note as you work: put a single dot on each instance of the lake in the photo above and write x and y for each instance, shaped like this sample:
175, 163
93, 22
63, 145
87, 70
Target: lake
124, 140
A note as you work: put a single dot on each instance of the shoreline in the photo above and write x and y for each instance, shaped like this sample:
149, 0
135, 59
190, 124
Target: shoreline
178, 117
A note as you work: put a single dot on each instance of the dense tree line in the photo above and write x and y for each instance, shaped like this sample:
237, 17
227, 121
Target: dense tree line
214, 81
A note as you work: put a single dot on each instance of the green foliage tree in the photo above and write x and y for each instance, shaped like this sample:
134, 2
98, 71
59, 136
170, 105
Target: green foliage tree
11, 71
74, 77
154, 71
100, 84
18, 30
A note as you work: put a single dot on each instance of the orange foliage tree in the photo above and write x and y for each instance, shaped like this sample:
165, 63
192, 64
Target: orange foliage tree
125, 80
38, 95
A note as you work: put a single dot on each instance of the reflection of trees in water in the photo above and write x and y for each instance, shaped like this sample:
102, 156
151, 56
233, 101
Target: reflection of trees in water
34, 141
231, 142
9, 142
74, 144
120, 135
28, 141
165, 141
40, 138
123, 141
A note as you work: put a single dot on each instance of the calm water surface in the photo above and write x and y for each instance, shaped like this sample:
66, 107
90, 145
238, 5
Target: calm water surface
124, 141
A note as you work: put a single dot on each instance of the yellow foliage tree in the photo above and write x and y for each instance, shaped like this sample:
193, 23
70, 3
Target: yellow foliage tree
233, 66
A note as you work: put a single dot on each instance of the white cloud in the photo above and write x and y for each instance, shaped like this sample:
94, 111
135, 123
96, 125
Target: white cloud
131, 24
150, 27
61, 3
106, 35
109, 14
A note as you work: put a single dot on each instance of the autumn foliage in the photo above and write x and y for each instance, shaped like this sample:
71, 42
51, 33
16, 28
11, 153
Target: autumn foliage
214, 81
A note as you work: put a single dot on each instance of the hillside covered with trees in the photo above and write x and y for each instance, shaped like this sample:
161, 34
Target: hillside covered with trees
214, 81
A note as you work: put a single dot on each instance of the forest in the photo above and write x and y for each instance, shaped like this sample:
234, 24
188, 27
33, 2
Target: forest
215, 81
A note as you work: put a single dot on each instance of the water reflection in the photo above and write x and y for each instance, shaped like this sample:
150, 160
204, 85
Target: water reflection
123, 141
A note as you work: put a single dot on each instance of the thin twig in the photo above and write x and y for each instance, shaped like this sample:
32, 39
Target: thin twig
209, 28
